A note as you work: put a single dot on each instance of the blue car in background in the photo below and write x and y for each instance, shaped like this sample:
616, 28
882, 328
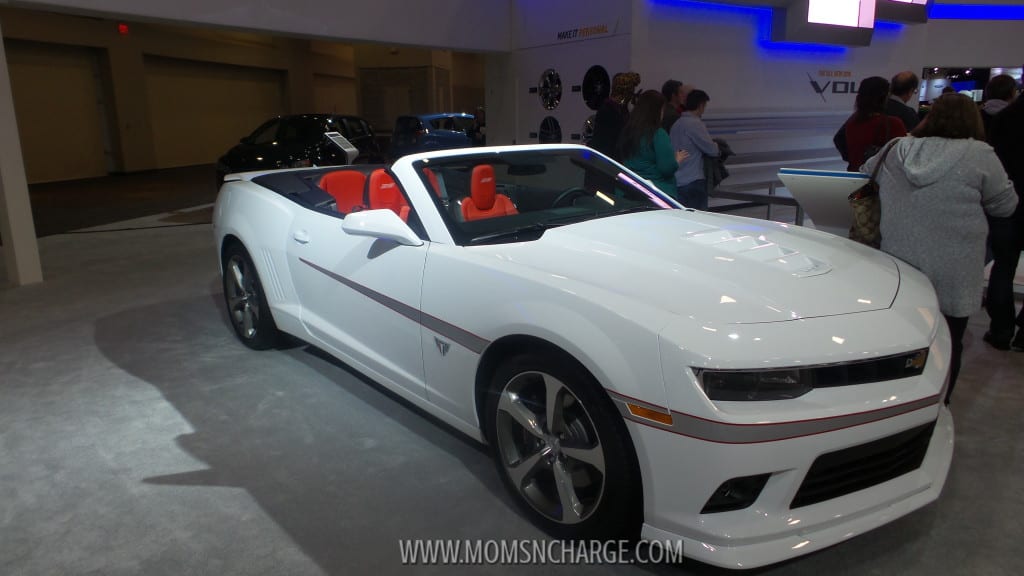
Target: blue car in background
424, 132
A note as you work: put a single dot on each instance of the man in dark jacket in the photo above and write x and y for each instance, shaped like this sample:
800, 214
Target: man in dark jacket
1006, 235
611, 117
675, 93
904, 88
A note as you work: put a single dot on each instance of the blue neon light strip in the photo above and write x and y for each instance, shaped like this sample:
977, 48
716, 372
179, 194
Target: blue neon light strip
975, 12
935, 11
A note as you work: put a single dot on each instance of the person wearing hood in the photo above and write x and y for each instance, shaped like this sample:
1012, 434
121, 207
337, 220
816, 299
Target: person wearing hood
999, 92
935, 188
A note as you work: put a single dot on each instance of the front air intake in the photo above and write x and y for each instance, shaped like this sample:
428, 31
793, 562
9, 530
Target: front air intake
846, 471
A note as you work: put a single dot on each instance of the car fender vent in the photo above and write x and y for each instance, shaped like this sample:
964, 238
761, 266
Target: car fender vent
273, 281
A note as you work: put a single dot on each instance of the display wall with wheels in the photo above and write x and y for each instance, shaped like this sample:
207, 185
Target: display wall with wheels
551, 98
564, 56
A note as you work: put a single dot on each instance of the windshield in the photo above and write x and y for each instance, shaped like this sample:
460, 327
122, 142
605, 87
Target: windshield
514, 196
455, 123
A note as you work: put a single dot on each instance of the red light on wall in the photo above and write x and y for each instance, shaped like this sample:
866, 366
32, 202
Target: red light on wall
122, 29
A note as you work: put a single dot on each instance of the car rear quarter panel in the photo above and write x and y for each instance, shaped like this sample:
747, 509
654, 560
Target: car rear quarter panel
261, 220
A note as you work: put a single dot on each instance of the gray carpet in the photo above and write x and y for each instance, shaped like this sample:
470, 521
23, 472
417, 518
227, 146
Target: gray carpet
138, 437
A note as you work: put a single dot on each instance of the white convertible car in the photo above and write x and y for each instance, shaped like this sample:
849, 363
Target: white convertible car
755, 389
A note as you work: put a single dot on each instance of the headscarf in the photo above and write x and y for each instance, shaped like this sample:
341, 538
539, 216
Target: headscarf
624, 87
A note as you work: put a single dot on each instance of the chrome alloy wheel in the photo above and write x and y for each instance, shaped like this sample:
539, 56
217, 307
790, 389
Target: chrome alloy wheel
549, 447
242, 296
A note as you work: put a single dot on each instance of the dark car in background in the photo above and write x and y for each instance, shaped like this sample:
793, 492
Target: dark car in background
424, 132
299, 140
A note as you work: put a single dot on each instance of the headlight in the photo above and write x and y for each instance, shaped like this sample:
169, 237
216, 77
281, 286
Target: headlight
750, 386
786, 383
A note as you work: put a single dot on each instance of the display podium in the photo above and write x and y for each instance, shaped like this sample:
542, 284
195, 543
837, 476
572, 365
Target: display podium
823, 195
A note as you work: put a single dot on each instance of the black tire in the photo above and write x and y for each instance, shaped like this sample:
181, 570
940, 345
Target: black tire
610, 499
245, 301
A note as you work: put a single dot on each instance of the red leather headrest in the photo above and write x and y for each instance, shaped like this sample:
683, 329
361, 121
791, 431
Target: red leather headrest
383, 192
339, 180
483, 188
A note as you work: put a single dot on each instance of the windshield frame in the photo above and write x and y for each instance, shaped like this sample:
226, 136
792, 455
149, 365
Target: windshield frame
528, 228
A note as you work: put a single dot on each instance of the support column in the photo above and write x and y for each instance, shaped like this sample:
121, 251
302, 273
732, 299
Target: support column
125, 80
17, 230
300, 77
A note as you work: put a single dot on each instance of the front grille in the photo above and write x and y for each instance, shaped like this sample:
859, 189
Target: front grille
792, 382
866, 371
846, 471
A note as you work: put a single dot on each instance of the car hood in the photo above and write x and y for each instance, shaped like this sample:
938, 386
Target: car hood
713, 267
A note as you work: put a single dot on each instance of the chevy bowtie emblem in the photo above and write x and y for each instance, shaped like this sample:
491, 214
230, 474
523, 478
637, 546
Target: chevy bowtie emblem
442, 346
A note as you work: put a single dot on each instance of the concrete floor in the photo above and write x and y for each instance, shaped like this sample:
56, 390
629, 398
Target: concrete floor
59, 207
138, 437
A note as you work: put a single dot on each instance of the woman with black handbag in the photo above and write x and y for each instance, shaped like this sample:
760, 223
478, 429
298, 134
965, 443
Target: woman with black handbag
936, 188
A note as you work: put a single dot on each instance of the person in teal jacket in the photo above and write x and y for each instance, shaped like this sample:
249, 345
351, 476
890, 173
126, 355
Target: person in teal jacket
645, 146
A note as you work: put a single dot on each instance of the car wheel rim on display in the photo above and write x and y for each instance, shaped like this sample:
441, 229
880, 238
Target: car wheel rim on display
596, 86
243, 301
550, 131
550, 89
549, 447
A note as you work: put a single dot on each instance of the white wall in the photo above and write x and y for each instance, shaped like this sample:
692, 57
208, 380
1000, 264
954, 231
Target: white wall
957, 43
456, 24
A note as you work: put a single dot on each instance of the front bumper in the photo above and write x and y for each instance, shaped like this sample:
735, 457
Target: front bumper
687, 469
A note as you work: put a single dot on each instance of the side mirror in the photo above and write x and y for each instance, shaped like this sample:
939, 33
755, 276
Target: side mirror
380, 224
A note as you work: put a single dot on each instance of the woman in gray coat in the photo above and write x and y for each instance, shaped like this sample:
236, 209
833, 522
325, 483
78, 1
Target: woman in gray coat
936, 187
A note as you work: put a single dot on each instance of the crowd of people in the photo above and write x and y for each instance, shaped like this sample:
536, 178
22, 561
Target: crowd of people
950, 184
948, 196
661, 138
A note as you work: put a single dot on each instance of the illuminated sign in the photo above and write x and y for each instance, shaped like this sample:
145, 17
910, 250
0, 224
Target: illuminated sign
853, 13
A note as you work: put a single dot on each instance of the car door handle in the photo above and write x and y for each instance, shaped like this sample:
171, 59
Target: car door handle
301, 236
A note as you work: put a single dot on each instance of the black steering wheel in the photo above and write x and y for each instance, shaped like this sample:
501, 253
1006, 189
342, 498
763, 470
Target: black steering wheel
567, 197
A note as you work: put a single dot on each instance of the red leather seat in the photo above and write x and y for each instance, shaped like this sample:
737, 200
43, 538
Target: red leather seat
383, 193
348, 189
484, 200
435, 184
